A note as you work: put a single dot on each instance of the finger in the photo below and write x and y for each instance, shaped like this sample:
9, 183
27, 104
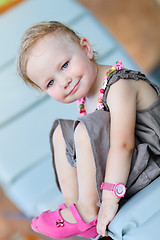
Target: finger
101, 229
107, 233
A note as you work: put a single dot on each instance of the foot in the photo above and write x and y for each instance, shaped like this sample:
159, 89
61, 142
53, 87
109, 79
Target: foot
88, 214
54, 225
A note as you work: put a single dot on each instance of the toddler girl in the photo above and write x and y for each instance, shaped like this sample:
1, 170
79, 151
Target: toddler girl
113, 146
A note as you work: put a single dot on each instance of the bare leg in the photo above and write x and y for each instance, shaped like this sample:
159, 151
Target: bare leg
88, 197
67, 175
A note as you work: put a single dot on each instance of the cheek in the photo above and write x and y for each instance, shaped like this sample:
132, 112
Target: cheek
77, 69
85, 67
55, 94
80, 65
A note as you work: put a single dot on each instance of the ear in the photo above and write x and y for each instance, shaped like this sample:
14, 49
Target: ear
85, 44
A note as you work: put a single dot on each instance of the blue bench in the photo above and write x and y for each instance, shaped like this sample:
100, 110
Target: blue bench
26, 173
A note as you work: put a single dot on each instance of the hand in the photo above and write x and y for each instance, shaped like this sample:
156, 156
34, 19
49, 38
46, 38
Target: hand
106, 213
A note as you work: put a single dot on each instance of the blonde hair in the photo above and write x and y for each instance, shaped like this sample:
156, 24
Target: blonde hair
30, 38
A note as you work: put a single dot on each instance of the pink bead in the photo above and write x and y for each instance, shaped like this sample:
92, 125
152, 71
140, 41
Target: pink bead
101, 96
100, 106
119, 67
83, 114
105, 77
81, 100
101, 90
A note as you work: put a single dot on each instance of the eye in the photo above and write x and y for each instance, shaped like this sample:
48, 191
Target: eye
50, 83
65, 65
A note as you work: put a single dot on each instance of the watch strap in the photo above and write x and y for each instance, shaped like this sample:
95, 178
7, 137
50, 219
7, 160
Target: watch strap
107, 186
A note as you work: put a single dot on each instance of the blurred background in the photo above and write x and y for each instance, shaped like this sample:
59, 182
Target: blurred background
136, 26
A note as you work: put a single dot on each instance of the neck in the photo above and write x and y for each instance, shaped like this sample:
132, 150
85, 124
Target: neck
94, 93
100, 71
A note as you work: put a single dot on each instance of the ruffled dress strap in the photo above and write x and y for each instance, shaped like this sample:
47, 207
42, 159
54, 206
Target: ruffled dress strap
124, 74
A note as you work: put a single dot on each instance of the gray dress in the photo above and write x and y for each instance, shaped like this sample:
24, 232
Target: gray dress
145, 166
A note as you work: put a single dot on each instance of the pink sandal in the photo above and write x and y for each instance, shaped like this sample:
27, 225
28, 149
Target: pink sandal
53, 225
35, 219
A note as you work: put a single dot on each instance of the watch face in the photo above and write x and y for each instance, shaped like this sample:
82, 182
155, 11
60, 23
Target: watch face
120, 190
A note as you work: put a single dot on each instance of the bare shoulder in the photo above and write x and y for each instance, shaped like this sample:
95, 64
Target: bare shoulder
140, 91
123, 90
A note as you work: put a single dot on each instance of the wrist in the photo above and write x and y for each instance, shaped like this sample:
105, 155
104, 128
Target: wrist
109, 196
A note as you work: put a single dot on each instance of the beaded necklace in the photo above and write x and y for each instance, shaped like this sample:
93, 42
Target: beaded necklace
100, 105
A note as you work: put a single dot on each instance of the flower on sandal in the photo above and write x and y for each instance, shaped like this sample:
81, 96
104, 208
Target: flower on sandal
59, 223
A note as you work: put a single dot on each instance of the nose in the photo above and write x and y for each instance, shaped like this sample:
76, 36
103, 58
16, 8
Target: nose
65, 81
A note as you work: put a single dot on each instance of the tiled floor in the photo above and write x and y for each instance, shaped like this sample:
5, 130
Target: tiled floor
13, 226
136, 25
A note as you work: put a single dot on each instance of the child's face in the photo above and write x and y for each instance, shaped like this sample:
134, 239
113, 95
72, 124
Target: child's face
62, 68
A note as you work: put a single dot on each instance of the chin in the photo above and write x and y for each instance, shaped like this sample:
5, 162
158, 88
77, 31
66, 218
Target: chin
69, 101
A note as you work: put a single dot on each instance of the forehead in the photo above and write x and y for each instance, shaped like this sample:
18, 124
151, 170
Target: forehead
52, 42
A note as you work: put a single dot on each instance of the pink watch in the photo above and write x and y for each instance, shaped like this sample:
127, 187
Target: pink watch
118, 189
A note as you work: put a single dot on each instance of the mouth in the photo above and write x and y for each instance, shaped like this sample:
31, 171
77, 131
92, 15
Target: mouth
74, 89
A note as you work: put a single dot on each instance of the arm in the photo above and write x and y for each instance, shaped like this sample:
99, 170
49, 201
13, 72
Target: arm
122, 104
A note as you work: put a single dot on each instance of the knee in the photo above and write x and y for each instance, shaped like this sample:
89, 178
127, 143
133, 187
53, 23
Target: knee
57, 135
80, 134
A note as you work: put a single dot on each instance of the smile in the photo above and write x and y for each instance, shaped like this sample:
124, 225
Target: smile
74, 89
